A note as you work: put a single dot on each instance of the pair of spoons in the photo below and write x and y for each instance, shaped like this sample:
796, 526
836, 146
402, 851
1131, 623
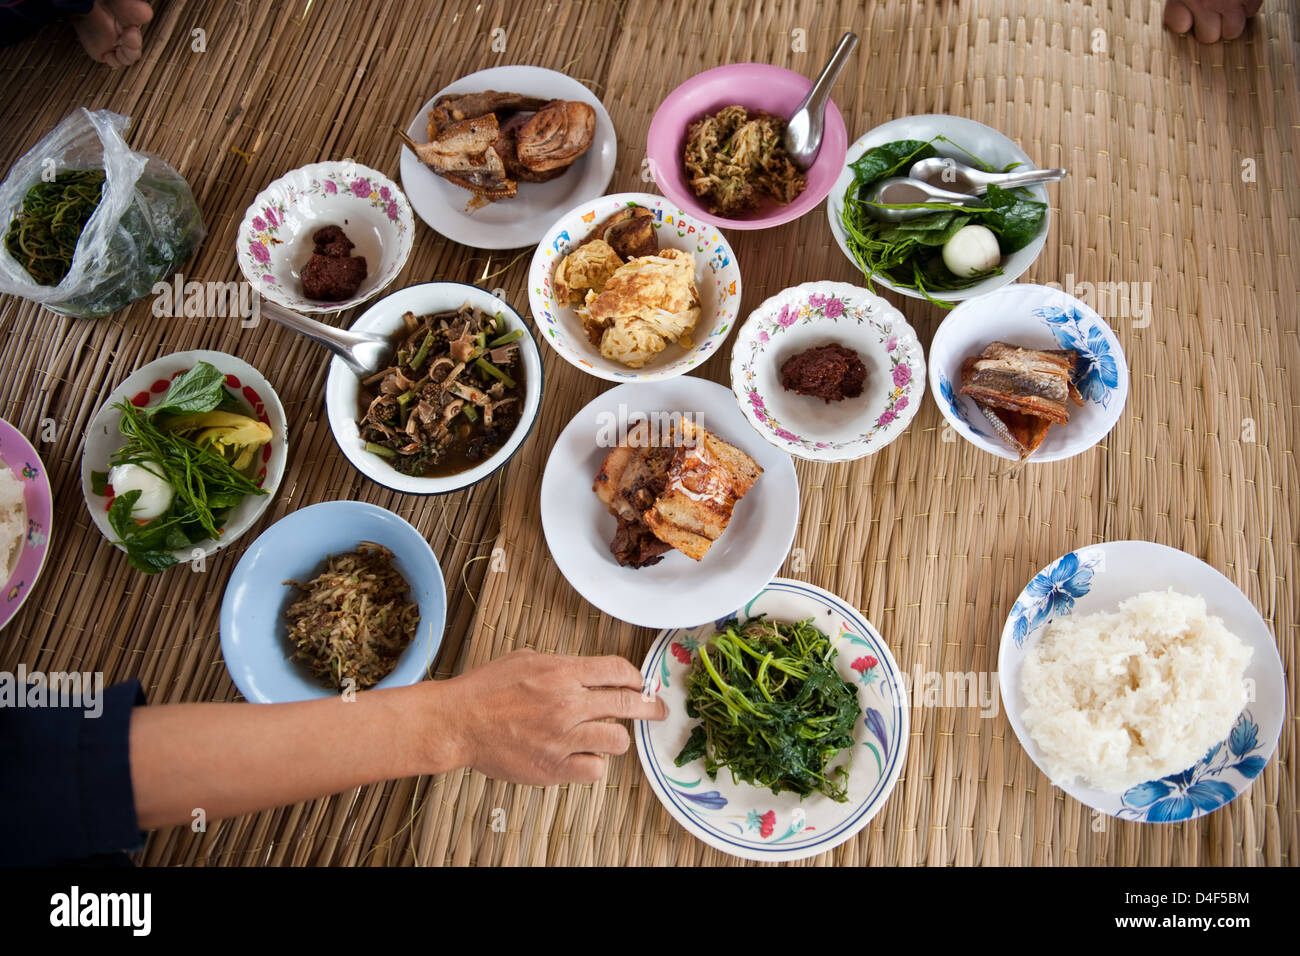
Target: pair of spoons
939, 179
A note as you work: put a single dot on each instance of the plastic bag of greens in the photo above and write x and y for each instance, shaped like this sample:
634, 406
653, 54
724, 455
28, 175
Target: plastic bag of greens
142, 219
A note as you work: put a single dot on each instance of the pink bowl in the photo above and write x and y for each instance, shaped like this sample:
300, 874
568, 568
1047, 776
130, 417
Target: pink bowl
755, 86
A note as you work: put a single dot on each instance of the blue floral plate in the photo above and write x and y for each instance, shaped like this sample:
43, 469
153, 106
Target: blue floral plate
1036, 317
1098, 578
752, 822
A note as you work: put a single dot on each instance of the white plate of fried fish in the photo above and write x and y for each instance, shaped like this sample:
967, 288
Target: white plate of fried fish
663, 507
1028, 373
493, 158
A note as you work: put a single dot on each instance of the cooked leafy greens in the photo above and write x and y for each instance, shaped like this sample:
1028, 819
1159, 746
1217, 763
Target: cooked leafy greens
774, 710
205, 485
909, 254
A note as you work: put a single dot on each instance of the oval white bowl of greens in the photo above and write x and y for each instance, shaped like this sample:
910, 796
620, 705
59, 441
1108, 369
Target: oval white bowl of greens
183, 457
907, 257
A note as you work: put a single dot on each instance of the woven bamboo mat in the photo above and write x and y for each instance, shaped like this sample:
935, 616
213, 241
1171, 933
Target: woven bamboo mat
925, 537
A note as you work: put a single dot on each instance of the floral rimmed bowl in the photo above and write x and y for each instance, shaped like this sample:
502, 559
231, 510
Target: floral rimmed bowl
717, 278
146, 386
821, 313
1036, 317
1098, 578
752, 822
275, 239
18, 578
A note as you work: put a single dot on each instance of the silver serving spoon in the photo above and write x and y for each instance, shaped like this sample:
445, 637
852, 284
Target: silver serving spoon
363, 352
803, 131
903, 190
949, 174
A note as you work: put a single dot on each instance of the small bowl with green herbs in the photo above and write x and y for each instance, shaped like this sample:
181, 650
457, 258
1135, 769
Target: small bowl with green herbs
183, 458
908, 257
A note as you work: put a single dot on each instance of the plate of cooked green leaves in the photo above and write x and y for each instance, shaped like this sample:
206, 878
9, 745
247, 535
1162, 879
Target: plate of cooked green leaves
913, 257
787, 724
183, 458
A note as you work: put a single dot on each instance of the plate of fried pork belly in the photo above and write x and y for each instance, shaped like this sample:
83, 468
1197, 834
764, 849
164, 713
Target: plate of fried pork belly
1028, 373
663, 507
491, 160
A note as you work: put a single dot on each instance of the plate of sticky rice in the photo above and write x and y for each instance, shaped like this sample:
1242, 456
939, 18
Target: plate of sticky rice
26, 511
1142, 681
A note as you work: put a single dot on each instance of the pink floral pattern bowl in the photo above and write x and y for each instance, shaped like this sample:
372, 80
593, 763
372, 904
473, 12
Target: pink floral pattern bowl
275, 238
822, 313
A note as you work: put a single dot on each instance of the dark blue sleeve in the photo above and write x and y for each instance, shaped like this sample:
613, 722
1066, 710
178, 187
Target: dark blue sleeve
21, 18
65, 780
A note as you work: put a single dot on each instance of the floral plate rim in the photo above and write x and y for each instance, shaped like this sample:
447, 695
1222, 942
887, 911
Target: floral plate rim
40, 519
837, 299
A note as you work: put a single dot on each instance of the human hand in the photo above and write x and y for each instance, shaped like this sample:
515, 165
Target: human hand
1212, 19
110, 32
541, 719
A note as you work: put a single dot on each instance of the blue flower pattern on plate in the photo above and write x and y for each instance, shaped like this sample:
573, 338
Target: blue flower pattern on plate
1192, 793
1098, 376
945, 389
1053, 590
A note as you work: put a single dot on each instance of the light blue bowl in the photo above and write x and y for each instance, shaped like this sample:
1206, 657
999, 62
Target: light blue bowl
253, 642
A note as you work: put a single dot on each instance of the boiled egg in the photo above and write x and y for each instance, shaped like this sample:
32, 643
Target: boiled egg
971, 250
155, 493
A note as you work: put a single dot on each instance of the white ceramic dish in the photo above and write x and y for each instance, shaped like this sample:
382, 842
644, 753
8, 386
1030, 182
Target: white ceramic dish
275, 239
677, 592
1032, 316
752, 822
821, 313
522, 220
1098, 578
385, 318
146, 386
717, 279
985, 142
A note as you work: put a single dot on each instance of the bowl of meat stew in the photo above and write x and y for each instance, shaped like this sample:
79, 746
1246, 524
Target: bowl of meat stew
459, 399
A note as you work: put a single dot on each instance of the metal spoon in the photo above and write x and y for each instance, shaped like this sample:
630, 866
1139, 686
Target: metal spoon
803, 132
363, 352
949, 174
899, 190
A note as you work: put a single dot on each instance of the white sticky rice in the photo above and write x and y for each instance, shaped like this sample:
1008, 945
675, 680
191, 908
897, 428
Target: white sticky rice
1118, 699
13, 521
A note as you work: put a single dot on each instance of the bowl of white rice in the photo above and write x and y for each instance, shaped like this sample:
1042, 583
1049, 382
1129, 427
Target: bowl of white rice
26, 512
1141, 681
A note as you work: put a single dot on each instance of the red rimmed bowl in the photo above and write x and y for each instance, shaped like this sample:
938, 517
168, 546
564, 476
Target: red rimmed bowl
755, 86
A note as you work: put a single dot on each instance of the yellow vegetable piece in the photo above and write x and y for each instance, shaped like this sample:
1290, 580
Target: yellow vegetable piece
235, 437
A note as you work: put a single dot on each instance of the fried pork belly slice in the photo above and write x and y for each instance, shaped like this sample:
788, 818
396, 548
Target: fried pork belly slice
556, 135
1034, 382
706, 477
630, 479
455, 107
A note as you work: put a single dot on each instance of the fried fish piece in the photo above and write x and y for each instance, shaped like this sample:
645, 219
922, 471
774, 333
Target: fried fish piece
1032, 381
456, 107
556, 135
463, 153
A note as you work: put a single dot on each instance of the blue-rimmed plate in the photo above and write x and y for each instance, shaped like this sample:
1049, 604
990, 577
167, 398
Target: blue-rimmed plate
253, 633
752, 822
1098, 578
1035, 317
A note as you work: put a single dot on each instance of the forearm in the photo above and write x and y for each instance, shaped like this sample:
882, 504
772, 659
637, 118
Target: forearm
230, 759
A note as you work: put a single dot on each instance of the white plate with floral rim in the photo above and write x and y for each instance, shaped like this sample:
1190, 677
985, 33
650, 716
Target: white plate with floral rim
717, 278
146, 386
752, 822
1098, 578
521, 220
275, 239
824, 313
18, 575
1035, 317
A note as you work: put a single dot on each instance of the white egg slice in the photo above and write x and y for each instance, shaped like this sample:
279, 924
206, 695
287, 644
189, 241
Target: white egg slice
155, 492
